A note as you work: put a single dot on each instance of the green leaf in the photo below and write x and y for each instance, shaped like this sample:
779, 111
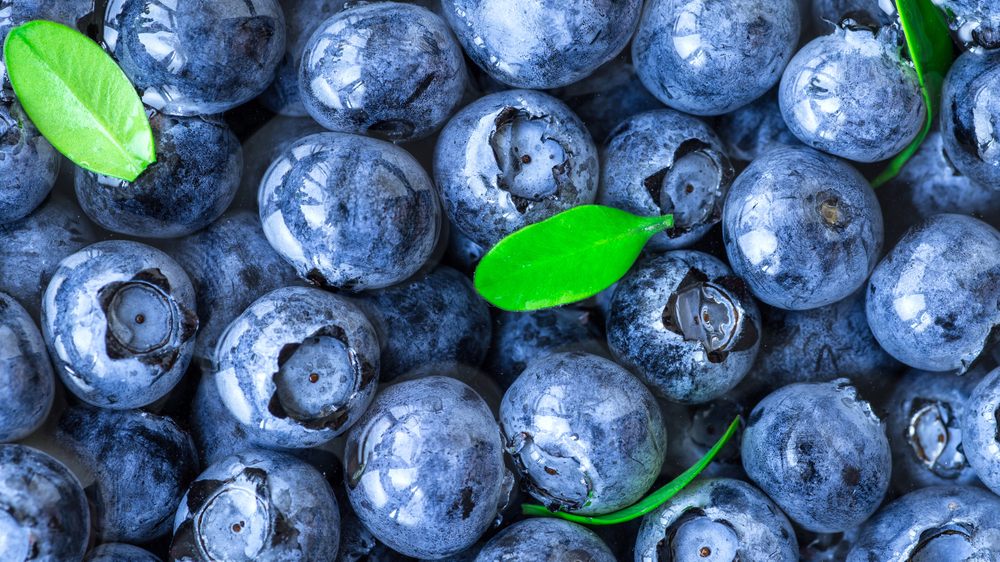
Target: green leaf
79, 99
569, 257
650, 502
932, 53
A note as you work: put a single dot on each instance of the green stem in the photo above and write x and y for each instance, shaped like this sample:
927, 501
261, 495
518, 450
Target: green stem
650, 502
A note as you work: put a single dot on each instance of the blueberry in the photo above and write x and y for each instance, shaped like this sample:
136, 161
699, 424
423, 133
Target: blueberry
803, 229
826, 14
512, 159
119, 552
434, 318
230, 265
264, 147
542, 44
75, 14
940, 524
25, 373
714, 56
925, 429
302, 18
384, 207
215, 432
118, 318
544, 540
29, 163
424, 467
969, 105
975, 22
755, 128
665, 162
257, 505
298, 367
462, 253
196, 56
931, 300
851, 94
685, 325
980, 429
820, 453
696, 428
141, 464
45, 515
33, 247
193, 180
718, 519
586, 435
519, 338
389, 70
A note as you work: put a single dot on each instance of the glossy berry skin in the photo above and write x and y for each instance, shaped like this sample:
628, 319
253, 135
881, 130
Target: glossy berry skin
25, 373
820, 453
33, 247
29, 163
585, 434
851, 94
685, 325
349, 211
717, 519
975, 22
257, 505
45, 515
196, 57
435, 317
263, 148
142, 464
755, 128
512, 159
687, 57
119, 321
924, 426
424, 467
230, 265
941, 523
214, 430
194, 178
979, 430
119, 552
298, 367
971, 136
544, 44
539, 540
665, 162
802, 228
392, 71
826, 14
931, 300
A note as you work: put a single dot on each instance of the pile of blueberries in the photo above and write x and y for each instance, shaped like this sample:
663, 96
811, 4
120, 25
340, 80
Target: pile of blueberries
268, 347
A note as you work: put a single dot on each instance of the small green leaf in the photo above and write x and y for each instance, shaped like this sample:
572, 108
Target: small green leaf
932, 53
650, 502
569, 257
79, 99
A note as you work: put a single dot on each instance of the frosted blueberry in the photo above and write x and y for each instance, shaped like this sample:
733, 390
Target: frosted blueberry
45, 516
191, 57
118, 318
76, 14
970, 104
388, 70
802, 228
820, 453
940, 523
25, 373
709, 57
462, 253
826, 14
29, 163
717, 519
257, 506
512, 159
755, 128
141, 464
541, 540
696, 428
424, 467
852, 95
230, 265
685, 324
194, 178
119, 552
980, 430
264, 147
541, 44
932, 301
976, 23
298, 366
665, 162
349, 211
